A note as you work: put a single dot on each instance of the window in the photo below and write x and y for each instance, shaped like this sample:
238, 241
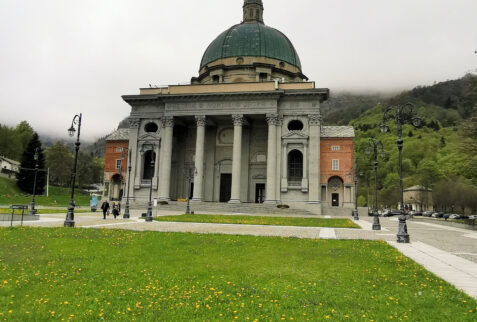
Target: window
295, 125
335, 165
151, 127
295, 166
216, 79
263, 77
335, 148
149, 163
119, 150
118, 164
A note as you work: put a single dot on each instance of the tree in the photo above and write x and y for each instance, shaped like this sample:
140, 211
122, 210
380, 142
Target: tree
26, 176
60, 161
89, 170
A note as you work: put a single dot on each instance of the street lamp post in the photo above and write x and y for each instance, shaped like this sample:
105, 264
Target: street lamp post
153, 163
190, 172
70, 216
126, 209
373, 146
32, 205
402, 114
355, 211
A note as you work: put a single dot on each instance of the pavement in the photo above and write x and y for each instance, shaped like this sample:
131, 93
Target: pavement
448, 252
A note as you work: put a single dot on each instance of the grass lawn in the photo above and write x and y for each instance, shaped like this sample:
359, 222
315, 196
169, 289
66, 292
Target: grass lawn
58, 197
89, 275
256, 220
45, 211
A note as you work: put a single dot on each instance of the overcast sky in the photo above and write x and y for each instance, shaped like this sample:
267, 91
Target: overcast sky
62, 57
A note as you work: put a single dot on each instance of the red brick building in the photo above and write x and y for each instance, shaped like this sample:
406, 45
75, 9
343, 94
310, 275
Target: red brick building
115, 164
336, 166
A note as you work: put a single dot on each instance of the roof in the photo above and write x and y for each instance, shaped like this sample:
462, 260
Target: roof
119, 135
337, 132
10, 160
418, 188
251, 39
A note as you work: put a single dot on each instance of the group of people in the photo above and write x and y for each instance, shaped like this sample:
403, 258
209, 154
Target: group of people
116, 209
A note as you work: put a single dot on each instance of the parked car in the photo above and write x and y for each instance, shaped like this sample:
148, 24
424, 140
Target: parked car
427, 213
390, 213
415, 213
446, 216
437, 215
455, 216
473, 217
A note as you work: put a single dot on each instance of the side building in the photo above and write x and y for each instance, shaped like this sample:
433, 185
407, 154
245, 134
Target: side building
115, 164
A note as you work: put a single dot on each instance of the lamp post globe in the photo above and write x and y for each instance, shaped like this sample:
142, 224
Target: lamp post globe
70, 216
401, 114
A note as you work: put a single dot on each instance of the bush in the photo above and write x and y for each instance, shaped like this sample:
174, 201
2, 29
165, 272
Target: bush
283, 206
162, 203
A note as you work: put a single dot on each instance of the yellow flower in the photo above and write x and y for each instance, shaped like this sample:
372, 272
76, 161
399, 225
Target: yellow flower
66, 303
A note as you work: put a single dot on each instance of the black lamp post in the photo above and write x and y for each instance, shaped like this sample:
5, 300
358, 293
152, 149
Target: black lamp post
32, 205
402, 114
152, 147
190, 172
373, 146
355, 212
126, 209
70, 216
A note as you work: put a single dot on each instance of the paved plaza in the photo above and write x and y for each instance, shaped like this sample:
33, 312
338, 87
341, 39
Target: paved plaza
448, 252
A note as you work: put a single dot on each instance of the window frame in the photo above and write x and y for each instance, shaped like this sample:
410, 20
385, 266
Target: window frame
118, 164
335, 148
335, 165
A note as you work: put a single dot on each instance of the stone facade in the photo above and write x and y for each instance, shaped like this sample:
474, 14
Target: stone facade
253, 139
9, 168
418, 198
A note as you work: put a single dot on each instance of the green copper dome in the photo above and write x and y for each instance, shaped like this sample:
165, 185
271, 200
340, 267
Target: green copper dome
251, 39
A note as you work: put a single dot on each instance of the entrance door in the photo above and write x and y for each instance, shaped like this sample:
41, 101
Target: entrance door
260, 193
225, 187
335, 199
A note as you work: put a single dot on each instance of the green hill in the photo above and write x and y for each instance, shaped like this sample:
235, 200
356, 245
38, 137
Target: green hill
10, 194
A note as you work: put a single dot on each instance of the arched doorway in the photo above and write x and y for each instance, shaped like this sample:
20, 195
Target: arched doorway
116, 187
336, 191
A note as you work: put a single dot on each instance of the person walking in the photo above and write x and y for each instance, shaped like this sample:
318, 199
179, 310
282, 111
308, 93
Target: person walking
105, 208
115, 209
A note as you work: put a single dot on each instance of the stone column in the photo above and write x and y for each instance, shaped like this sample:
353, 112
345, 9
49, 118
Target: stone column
237, 158
201, 122
133, 161
272, 120
314, 159
284, 183
166, 159
304, 181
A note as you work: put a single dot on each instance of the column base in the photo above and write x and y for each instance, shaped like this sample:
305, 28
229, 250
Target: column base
234, 201
196, 200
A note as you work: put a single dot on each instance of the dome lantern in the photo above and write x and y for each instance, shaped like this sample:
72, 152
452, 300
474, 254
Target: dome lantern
253, 11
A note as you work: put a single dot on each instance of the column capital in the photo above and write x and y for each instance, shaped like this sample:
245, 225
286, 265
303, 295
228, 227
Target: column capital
134, 123
314, 119
168, 121
238, 119
200, 120
273, 119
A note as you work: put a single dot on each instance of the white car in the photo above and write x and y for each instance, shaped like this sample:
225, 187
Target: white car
473, 217
454, 216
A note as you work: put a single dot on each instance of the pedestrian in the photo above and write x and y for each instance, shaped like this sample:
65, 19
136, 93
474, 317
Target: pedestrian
105, 208
115, 209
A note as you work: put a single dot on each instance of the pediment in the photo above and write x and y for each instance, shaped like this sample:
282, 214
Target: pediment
295, 135
149, 136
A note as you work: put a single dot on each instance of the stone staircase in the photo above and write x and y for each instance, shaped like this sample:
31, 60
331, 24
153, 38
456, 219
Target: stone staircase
336, 212
226, 208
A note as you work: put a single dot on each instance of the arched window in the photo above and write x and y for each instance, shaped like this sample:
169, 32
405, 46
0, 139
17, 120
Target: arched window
149, 165
216, 79
263, 77
295, 166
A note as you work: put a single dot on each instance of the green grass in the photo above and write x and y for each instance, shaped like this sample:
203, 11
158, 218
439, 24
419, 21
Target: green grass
88, 275
44, 211
58, 197
256, 220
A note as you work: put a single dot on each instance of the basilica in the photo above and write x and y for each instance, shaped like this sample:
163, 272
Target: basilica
247, 129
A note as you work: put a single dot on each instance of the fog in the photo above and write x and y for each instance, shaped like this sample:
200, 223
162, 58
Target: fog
63, 57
